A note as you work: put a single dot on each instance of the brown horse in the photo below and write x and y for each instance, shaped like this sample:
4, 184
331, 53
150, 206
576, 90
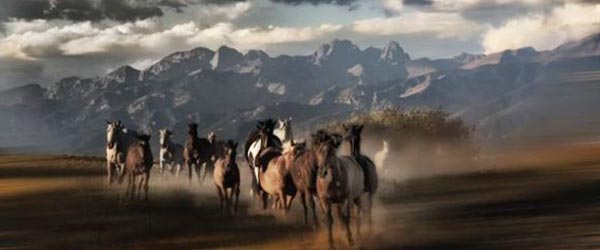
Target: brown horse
227, 177
274, 172
196, 153
218, 150
304, 174
340, 182
353, 139
139, 162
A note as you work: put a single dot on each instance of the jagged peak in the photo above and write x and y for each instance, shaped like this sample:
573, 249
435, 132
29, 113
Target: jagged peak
393, 53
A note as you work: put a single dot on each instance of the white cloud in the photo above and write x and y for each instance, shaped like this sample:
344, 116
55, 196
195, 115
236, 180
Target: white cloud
455, 5
441, 25
48, 39
545, 30
392, 7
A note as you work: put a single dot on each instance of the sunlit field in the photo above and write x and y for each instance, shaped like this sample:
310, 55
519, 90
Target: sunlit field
530, 199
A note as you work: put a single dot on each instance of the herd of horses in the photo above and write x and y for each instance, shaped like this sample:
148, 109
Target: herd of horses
281, 168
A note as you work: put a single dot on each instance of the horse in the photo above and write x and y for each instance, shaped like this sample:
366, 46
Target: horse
253, 146
197, 152
218, 149
139, 162
353, 139
304, 173
340, 182
274, 176
284, 132
171, 153
227, 177
118, 140
381, 156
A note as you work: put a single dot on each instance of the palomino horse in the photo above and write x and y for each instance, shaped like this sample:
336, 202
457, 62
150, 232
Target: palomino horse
171, 154
227, 177
274, 175
139, 162
340, 182
304, 174
252, 149
218, 149
353, 140
284, 132
197, 152
118, 140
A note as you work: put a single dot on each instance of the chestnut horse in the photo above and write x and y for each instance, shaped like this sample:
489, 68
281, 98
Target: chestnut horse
196, 153
139, 162
227, 177
304, 174
340, 182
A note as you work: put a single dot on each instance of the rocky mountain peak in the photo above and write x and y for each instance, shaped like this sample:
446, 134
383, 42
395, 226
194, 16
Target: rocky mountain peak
123, 74
226, 58
335, 51
394, 54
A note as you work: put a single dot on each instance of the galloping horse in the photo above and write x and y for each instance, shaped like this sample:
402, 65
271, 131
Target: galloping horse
340, 182
227, 177
284, 132
139, 162
353, 140
274, 175
118, 140
197, 152
304, 174
254, 144
171, 153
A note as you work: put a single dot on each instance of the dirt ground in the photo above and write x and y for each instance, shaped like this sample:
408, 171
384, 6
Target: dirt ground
537, 199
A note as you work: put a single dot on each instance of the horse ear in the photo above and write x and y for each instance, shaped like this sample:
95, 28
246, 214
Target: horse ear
108, 122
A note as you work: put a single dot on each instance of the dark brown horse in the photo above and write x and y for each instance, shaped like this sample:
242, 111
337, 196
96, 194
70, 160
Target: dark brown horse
353, 141
139, 162
227, 177
304, 174
196, 153
340, 183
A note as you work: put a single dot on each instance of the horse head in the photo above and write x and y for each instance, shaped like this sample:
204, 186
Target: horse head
352, 135
193, 129
265, 131
212, 137
326, 146
165, 136
112, 129
231, 150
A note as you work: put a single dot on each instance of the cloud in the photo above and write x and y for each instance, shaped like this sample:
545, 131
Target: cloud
316, 2
545, 30
392, 7
41, 39
96, 10
440, 25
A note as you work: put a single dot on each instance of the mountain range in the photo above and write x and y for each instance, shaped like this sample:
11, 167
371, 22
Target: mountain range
509, 96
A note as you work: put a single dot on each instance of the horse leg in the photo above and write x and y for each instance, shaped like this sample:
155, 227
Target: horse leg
161, 164
139, 190
288, 206
346, 218
303, 202
359, 211
311, 202
128, 187
220, 193
236, 188
265, 200
198, 169
189, 166
370, 212
329, 221
109, 173
132, 179
178, 169
146, 184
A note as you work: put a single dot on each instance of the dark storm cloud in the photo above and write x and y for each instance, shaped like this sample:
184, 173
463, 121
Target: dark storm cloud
418, 2
95, 10
316, 2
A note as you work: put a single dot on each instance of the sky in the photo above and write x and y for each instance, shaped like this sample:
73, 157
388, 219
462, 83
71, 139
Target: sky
42, 41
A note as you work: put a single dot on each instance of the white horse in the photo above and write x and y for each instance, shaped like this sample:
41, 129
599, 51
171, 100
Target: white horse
171, 154
253, 147
381, 156
284, 132
118, 140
